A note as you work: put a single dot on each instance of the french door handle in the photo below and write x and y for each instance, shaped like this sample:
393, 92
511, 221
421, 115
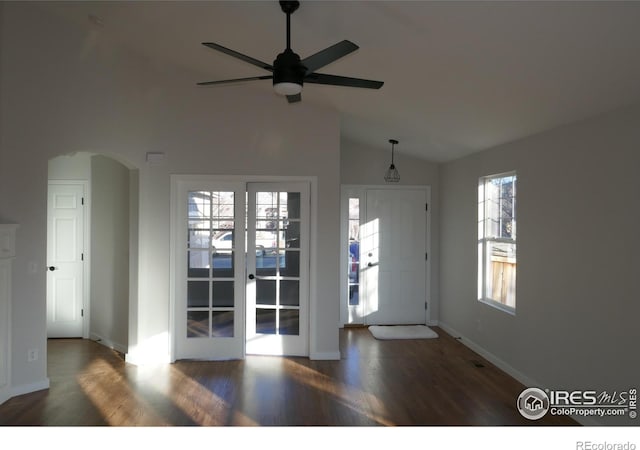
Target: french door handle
52, 268
372, 264
251, 276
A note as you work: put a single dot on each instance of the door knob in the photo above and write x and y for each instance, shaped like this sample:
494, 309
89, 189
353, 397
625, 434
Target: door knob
251, 276
52, 268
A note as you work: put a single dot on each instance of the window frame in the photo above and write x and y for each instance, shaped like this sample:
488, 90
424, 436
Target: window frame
485, 240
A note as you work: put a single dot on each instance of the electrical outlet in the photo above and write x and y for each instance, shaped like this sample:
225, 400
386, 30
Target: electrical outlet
32, 355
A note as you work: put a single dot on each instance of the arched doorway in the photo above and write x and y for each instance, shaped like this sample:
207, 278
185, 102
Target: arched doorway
91, 248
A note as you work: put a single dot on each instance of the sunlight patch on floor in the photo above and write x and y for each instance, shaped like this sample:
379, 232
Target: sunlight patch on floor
101, 390
366, 404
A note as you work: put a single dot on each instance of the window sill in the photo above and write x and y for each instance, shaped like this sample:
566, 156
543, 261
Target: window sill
498, 305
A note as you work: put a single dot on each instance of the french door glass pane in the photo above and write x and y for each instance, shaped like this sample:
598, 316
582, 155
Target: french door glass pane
289, 321
278, 205
199, 234
290, 205
266, 265
197, 324
222, 323
290, 292
222, 264
265, 321
197, 294
222, 294
199, 204
222, 204
198, 264
290, 236
266, 292
267, 205
290, 263
266, 238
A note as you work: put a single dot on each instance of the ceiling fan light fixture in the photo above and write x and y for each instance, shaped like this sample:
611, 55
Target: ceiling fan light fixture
287, 88
392, 175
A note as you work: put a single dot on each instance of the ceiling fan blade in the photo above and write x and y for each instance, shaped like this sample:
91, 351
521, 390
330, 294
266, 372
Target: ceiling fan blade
245, 58
328, 55
294, 98
335, 80
235, 80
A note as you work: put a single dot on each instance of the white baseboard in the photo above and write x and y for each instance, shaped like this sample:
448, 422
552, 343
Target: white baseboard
510, 370
493, 359
29, 388
108, 343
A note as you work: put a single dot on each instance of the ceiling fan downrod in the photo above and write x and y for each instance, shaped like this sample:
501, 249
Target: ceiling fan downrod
289, 7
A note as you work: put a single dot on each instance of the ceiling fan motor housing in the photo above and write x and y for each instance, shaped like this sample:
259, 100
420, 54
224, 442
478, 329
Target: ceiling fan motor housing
287, 68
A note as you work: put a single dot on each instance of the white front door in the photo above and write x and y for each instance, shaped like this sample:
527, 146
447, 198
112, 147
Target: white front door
278, 271
65, 260
386, 274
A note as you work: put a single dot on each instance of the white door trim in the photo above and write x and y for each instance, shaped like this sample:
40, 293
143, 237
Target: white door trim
176, 179
86, 272
350, 190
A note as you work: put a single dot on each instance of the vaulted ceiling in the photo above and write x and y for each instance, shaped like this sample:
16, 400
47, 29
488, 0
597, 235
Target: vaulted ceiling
459, 76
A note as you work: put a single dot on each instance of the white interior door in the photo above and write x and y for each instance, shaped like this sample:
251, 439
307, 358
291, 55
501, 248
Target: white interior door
65, 260
210, 270
393, 257
278, 271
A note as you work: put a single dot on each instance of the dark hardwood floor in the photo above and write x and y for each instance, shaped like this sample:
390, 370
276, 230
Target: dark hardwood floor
408, 382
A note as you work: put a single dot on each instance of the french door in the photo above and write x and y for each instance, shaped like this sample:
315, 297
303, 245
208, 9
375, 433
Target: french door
241, 269
278, 271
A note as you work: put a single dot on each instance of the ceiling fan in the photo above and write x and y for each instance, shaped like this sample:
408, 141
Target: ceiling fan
289, 72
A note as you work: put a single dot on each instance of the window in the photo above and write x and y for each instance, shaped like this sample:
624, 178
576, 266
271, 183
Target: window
354, 251
497, 241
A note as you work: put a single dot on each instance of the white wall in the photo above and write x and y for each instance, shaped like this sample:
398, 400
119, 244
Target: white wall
578, 290
88, 95
70, 167
360, 165
109, 252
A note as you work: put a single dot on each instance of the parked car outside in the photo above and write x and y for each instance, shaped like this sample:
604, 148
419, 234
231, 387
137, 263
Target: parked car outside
354, 261
223, 243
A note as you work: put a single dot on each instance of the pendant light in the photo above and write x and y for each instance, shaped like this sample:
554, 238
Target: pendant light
392, 175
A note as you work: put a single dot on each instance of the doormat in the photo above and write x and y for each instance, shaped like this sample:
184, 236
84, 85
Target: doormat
388, 332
